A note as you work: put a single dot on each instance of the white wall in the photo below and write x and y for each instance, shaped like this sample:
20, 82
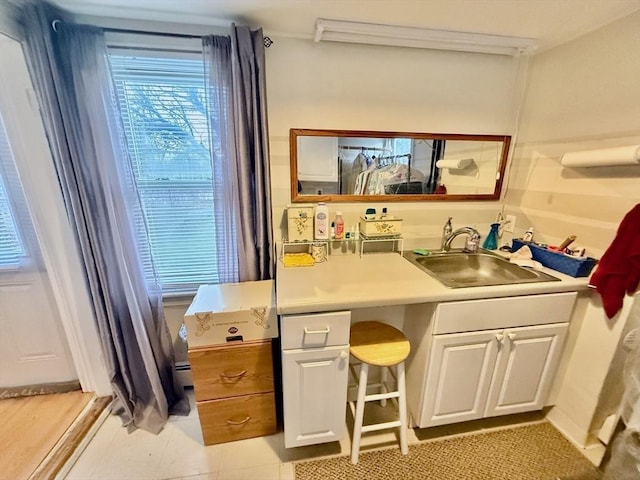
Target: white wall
581, 95
360, 87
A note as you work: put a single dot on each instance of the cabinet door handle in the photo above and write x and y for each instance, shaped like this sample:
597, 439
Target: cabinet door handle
313, 332
500, 337
241, 422
512, 336
235, 375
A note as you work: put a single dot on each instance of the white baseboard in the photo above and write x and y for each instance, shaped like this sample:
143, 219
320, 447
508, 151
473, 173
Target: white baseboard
583, 441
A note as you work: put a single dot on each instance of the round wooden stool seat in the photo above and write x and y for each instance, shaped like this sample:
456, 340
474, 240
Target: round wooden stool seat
379, 344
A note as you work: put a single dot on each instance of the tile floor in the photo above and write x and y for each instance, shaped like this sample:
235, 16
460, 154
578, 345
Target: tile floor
178, 453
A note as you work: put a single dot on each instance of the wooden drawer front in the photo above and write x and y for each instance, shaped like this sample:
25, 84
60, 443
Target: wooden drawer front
238, 417
228, 371
316, 330
493, 313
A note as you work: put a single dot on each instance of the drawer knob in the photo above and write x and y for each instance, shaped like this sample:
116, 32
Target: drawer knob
512, 336
234, 375
344, 354
314, 332
241, 422
499, 337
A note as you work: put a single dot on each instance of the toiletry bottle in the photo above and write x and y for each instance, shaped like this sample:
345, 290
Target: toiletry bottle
491, 242
370, 214
321, 222
339, 226
384, 213
528, 235
446, 231
332, 231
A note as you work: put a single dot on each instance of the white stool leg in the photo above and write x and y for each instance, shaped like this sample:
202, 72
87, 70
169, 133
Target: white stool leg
402, 407
359, 417
383, 385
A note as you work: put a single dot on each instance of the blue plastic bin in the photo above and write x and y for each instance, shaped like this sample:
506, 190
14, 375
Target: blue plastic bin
573, 266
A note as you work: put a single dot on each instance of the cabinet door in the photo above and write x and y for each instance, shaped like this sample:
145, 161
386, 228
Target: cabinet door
527, 361
459, 376
315, 395
318, 159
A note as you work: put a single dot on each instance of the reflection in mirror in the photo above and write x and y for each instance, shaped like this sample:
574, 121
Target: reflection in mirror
331, 165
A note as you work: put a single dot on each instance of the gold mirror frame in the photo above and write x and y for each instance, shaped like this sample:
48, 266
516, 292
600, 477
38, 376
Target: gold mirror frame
294, 133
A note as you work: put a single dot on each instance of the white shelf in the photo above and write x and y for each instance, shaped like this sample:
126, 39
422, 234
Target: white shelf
398, 242
363, 240
286, 243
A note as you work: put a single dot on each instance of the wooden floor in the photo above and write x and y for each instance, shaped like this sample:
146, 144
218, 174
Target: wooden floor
31, 426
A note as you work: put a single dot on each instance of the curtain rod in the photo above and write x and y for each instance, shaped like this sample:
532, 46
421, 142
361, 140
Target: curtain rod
54, 24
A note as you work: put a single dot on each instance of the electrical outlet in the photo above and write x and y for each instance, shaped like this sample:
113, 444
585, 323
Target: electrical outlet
509, 223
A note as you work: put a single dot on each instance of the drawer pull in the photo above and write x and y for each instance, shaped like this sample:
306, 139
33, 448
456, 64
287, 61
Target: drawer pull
241, 422
236, 375
313, 332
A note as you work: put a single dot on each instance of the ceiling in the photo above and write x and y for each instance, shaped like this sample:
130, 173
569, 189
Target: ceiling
551, 22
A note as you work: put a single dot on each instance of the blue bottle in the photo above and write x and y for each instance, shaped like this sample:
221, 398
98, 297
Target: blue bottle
491, 242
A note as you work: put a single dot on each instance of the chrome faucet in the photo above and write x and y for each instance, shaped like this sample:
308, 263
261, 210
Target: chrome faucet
471, 245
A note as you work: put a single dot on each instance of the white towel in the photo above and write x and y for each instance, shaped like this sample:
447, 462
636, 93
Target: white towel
524, 258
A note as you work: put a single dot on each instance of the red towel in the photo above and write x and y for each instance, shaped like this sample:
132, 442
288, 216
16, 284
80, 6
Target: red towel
618, 271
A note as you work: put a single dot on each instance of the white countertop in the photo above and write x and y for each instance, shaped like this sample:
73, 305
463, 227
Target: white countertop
379, 279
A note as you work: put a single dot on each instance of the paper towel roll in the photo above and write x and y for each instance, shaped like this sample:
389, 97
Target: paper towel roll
454, 164
603, 157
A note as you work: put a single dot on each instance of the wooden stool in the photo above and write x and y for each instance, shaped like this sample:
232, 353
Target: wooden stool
381, 345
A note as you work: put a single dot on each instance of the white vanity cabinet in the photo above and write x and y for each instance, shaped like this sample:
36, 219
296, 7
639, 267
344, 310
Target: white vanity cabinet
315, 362
483, 358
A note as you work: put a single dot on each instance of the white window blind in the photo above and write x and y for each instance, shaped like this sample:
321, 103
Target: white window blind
11, 246
164, 114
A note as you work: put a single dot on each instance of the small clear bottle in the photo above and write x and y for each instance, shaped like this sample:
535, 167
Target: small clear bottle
339, 226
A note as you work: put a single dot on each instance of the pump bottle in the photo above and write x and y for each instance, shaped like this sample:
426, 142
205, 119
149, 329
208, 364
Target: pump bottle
339, 226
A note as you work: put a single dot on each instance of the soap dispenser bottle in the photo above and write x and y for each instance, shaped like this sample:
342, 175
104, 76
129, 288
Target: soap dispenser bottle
491, 242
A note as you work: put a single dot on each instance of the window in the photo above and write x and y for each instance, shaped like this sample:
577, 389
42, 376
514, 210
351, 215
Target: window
164, 114
11, 246
402, 146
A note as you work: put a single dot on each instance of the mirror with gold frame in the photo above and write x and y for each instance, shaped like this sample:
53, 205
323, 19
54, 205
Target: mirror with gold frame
369, 166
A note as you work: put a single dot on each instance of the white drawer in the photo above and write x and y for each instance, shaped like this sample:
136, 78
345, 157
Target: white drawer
315, 330
492, 313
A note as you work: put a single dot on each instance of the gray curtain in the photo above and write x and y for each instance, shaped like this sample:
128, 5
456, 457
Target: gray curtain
70, 69
236, 99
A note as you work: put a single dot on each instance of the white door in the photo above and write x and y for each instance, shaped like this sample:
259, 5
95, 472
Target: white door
525, 367
459, 376
315, 395
33, 346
